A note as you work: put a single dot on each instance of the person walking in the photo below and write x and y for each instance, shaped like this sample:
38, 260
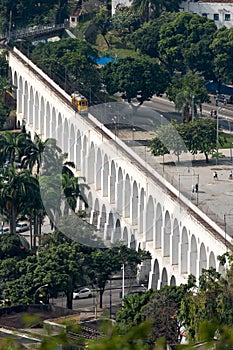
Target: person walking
215, 175
230, 175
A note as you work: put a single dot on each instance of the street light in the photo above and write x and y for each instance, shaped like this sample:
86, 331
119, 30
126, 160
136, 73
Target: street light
45, 285
219, 109
123, 281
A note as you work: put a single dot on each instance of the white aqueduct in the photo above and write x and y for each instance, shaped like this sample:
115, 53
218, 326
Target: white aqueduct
128, 200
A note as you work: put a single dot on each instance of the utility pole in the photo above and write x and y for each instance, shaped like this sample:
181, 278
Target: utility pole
10, 25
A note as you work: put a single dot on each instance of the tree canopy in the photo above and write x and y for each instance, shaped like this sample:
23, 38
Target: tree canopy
135, 78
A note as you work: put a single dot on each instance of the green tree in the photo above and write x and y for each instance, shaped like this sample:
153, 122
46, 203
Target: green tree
124, 20
222, 47
112, 259
168, 140
187, 92
184, 43
199, 136
71, 63
135, 78
15, 187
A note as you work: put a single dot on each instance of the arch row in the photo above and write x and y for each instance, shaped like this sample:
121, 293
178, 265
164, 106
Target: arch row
133, 214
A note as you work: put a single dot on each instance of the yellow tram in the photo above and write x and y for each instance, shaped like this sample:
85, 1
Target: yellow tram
79, 101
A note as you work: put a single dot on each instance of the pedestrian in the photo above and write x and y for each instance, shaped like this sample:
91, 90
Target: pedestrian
215, 114
230, 175
193, 187
211, 113
196, 188
215, 175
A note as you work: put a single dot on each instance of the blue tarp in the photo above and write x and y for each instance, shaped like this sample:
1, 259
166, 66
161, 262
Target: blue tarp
213, 87
103, 60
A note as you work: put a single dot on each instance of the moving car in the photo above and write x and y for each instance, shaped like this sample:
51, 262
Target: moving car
82, 293
22, 227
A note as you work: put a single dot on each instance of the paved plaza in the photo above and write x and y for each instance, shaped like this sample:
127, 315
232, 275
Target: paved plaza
214, 197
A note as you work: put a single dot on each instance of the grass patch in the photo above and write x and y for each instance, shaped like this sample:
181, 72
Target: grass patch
228, 141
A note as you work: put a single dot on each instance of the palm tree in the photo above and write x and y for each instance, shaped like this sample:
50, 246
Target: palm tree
34, 153
142, 8
15, 187
12, 146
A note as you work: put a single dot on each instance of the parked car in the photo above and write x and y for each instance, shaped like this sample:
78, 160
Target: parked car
224, 99
22, 227
82, 293
4, 230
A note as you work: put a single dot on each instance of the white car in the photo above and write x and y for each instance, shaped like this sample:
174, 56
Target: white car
22, 227
82, 293
4, 230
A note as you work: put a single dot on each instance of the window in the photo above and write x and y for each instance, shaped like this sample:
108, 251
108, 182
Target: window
204, 15
216, 16
72, 19
227, 17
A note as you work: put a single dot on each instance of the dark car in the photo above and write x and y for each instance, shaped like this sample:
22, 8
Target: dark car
224, 99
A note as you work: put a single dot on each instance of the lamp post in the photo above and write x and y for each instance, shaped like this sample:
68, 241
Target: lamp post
123, 281
39, 288
110, 299
192, 108
217, 129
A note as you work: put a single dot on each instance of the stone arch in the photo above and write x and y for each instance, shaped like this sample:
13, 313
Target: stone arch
112, 194
20, 96
193, 256
84, 156
42, 115
155, 275
127, 197
132, 242
78, 151
25, 101
158, 227
135, 205
96, 212
119, 193
221, 269
125, 236
91, 161
184, 251
72, 143
164, 278
36, 113
105, 177
141, 210
31, 105
103, 218
117, 233
47, 121
212, 261
98, 170
167, 234
110, 226
175, 243
90, 203
202, 259
65, 137
150, 219
53, 124
173, 281
59, 131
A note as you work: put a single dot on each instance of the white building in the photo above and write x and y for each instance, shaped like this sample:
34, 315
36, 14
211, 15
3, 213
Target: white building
221, 11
